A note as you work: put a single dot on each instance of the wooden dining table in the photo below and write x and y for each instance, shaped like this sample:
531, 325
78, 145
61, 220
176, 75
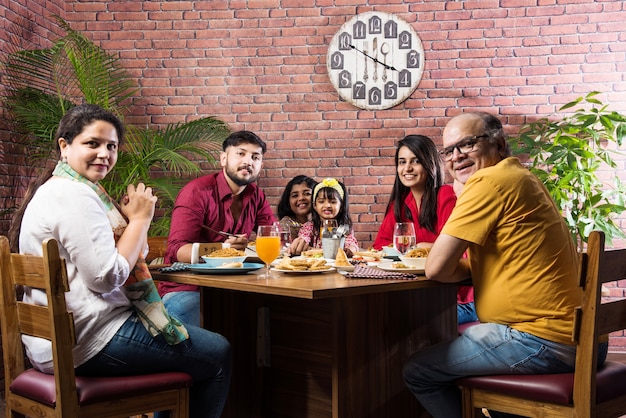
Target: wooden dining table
321, 344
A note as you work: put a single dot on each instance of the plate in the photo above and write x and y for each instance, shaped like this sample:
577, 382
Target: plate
203, 268
387, 267
345, 268
329, 269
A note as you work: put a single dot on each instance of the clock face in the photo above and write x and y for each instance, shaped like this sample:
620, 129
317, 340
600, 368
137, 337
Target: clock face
375, 60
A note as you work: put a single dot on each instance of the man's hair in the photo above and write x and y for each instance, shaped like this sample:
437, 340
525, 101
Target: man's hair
244, 137
493, 128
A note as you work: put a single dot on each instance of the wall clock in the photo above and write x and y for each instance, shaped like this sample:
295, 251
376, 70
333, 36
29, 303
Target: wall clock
375, 60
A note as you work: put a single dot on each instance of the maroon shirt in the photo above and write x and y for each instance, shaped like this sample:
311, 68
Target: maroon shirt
206, 201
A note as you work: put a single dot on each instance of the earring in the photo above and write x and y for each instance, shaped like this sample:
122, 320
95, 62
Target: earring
64, 159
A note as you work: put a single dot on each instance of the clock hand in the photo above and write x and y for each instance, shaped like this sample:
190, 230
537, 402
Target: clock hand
389, 67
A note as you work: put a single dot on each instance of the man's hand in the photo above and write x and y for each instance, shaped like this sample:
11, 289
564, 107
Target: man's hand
240, 242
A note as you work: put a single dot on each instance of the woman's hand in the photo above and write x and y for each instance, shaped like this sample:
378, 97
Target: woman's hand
297, 246
138, 206
139, 203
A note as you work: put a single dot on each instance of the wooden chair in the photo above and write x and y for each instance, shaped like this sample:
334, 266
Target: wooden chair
157, 247
589, 391
35, 394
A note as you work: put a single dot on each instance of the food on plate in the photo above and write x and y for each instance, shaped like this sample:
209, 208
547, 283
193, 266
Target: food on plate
371, 255
233, 265
225, 253
398, 265
418, 252
302, 264
341, 259
313, 252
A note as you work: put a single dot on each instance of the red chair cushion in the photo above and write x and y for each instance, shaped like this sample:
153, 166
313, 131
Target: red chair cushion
40, 387
463, 327
553, 388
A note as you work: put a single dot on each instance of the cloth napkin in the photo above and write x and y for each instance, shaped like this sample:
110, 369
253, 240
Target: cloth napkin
177, 266
365, 272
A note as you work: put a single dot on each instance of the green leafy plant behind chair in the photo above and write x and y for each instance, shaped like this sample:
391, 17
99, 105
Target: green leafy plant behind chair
568, 155
43, 84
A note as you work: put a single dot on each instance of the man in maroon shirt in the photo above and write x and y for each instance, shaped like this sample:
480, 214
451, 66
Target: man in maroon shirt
228, 201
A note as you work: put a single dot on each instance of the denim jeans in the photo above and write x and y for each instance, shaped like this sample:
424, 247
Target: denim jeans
206, 356
184, 306
466, 312
482, 349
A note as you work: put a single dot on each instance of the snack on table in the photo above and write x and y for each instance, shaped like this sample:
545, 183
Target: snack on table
233, 265
341, 259
225, 253
302, 264
418, 252
313, 252
373, 254
399, 265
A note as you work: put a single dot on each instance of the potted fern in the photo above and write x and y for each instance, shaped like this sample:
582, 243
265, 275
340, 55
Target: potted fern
42, 85
568, 154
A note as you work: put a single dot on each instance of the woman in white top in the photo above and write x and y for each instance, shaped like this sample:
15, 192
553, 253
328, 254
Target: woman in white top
103, 245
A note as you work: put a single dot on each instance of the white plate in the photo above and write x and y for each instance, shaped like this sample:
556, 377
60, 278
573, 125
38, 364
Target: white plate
345, 268
387, 267
203, 268
329, 269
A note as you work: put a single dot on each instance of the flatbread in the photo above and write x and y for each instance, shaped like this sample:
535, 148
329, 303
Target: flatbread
341, 259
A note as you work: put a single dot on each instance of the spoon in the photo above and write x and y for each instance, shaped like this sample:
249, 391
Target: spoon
384, 49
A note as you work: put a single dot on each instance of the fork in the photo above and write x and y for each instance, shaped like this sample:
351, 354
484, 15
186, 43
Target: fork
222, 233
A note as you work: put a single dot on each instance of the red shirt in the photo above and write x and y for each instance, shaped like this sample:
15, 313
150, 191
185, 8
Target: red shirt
206, 201
446, 199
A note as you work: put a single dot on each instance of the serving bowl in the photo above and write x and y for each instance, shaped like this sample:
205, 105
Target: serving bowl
219, 261
414, 262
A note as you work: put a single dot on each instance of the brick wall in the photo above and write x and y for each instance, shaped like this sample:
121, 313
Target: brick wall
261, 65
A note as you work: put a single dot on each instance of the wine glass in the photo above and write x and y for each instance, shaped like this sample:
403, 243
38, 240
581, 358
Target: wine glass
404, 237
267, 246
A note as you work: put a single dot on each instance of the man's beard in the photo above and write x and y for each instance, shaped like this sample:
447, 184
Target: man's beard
240, 181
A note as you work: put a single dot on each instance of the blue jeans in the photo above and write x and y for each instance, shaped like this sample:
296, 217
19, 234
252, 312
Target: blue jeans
184, 306
206, 356
482, 349
466, 312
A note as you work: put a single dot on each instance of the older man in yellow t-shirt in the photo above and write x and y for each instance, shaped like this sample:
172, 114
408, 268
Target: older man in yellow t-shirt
522, 261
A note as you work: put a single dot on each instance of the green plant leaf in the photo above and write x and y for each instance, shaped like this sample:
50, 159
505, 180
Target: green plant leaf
567, 152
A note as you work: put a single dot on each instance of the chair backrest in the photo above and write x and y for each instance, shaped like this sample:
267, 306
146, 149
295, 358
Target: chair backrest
157, 247
596, 318
52, 322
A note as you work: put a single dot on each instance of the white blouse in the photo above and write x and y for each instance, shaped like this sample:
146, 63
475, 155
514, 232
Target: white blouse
72, 213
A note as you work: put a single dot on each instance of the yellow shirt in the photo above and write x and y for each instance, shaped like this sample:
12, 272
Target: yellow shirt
523, 261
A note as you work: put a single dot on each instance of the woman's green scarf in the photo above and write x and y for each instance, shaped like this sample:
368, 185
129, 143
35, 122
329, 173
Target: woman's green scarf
143, 293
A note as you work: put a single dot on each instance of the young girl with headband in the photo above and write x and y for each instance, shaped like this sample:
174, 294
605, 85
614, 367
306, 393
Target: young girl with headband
330, 201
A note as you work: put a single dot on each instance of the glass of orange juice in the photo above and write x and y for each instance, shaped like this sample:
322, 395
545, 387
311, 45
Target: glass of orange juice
267, 246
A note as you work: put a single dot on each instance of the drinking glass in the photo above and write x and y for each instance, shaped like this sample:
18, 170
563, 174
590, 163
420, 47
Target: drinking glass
404, 237
285, 237
267, 246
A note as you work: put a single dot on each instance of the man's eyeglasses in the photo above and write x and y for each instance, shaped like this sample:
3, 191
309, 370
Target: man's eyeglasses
465, 146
